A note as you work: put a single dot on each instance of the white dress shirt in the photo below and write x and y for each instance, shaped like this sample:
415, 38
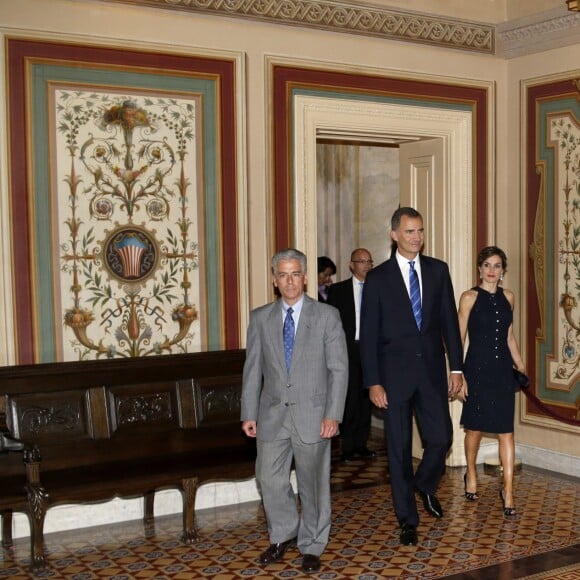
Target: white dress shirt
296, 310
357, 288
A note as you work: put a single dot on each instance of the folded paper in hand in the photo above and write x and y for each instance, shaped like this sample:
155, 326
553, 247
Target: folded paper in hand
521, 379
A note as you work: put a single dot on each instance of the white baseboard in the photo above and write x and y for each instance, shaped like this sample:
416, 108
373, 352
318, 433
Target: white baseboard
550, 460
74, 516
210, 495
527, 455
535, 457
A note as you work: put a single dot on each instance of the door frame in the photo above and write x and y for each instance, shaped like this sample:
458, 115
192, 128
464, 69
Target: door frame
335, 117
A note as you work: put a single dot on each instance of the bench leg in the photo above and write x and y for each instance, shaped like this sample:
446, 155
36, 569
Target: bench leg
37, 506
148, 513
148, 503
189, 491
6, 517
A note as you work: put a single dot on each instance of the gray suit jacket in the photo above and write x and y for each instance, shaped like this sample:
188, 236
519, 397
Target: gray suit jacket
313, 389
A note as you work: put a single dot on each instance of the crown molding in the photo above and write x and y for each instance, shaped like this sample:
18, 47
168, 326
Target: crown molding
537, 33
346, 17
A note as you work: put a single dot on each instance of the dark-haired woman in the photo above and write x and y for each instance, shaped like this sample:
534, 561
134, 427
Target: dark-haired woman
326, 270
486, 316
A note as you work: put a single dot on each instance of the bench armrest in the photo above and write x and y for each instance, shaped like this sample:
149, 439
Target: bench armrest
9, 443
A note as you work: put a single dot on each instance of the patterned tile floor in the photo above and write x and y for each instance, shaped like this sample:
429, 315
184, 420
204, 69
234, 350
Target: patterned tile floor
472, 541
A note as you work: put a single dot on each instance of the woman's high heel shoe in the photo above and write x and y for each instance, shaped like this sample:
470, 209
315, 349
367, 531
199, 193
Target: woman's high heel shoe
507, 511
469, 495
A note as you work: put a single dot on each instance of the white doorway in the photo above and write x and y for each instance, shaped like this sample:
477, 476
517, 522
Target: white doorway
436, 177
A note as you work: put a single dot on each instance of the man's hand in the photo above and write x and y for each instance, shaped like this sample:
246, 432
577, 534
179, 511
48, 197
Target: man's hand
455, 383
249, 428
329, 428
378, 396
463, 392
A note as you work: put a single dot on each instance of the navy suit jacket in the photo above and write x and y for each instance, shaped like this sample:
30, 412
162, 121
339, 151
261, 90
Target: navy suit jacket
391, 344
341, 296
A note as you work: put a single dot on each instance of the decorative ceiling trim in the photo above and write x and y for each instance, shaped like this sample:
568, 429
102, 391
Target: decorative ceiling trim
539, 32
345, 17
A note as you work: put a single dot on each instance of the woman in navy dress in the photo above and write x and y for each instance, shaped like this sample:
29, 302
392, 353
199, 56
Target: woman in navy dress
485, 316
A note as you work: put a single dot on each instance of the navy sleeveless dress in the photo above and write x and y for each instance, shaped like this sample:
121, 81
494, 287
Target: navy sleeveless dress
488, 366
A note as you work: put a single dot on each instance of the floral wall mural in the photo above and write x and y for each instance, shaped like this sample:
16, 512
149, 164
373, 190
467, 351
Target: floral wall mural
565, 137
128, 236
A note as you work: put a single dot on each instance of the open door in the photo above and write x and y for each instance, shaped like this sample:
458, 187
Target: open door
422, 186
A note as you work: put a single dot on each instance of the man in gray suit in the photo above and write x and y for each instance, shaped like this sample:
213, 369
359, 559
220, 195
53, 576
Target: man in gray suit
294, 388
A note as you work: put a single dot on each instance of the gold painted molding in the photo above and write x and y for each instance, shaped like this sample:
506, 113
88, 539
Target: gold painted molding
345, 17
536, 249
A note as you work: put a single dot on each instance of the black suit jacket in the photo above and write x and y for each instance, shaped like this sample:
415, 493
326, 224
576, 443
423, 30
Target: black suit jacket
392, 345
341, 296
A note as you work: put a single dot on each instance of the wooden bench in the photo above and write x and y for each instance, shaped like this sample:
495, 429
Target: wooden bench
97, 430
15, 474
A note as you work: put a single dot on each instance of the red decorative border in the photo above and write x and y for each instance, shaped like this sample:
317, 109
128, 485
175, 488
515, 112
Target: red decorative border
535, 94
19, 53
288, 78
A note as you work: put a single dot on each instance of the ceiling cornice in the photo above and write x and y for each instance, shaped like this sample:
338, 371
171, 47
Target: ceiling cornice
538, 32
345, 17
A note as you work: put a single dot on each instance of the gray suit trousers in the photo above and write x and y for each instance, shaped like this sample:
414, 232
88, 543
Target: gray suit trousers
312, 462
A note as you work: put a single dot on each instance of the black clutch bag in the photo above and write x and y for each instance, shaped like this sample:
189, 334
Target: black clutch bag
521, 379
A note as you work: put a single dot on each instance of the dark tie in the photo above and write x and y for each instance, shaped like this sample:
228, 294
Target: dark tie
288, 333
415, 291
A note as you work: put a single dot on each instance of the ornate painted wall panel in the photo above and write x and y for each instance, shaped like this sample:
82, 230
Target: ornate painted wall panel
553, 230
124, 201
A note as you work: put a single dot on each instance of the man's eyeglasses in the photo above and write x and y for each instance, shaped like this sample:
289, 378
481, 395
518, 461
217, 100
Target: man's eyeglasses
370, 262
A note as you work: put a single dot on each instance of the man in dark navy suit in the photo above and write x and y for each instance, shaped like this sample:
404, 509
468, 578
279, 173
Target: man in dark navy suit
346, 296
408, 319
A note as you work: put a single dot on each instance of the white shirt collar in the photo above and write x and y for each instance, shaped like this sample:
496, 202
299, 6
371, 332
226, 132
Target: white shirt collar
405, 267
404, 262
296, 308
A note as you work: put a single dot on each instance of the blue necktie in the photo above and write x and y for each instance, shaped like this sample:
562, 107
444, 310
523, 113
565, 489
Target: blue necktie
415, 290
360, 291
288, 333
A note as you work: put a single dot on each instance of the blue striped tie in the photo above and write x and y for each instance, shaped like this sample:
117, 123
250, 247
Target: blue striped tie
288, 333
415, 294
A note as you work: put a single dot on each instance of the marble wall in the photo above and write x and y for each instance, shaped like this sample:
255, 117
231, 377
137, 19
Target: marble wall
357, 192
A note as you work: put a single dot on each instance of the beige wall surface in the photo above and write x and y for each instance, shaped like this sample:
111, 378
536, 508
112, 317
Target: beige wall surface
117, 25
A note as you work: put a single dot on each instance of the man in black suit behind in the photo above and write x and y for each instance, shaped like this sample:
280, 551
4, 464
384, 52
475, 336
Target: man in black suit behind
346, 296
403, 360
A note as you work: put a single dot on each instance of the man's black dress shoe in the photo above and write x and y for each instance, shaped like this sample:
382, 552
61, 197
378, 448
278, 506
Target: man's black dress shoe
408, 535
365, 453
275, 552
431, 504
310, 563
346, 457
